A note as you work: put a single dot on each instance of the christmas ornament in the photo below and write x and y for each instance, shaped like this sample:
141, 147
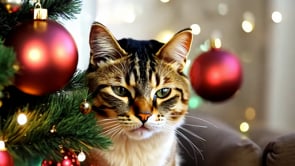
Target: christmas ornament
46, 53
216, 75
69, 159
5, 157
12, 6
85, 107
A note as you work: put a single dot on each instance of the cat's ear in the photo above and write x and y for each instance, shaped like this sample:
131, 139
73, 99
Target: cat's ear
176, 50
103, 46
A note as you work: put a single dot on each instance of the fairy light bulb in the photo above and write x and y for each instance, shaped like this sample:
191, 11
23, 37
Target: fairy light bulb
22, 119
196, 29
244, 127
276, 17
2, 145
81, 156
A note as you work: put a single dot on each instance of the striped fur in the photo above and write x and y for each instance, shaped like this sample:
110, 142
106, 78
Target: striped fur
140, 95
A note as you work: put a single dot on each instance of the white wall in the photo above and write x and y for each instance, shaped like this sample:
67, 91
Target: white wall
280, 98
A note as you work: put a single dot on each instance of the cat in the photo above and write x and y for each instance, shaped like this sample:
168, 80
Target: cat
140, 95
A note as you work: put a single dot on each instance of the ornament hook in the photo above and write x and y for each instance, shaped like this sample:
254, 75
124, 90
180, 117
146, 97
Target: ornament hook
39, 12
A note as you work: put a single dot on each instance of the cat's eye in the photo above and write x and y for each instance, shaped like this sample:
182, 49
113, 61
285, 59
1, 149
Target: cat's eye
120, 91
162, 93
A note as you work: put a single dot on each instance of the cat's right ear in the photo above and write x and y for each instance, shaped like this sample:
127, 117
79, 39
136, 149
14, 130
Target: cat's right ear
103, 46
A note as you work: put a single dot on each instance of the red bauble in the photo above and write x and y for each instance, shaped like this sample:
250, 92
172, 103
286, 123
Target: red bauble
46, 53
69, 159
5, 158
216, 75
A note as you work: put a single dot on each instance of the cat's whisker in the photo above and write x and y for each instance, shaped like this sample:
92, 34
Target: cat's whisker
111, 131
195, 149
192, 134
203, 120
109, 119
108, 123
193, 125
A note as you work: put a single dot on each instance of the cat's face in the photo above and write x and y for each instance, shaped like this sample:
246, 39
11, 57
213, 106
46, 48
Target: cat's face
138, 87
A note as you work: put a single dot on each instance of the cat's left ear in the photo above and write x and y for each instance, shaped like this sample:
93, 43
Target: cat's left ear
176, 50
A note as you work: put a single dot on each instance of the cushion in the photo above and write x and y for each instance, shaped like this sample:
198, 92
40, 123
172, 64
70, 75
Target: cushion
217, 144
280, 152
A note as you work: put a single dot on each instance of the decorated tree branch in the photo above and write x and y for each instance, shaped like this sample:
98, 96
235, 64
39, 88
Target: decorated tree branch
45, 115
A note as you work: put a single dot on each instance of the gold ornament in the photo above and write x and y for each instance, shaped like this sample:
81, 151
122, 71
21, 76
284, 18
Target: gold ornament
12, 6
85, 107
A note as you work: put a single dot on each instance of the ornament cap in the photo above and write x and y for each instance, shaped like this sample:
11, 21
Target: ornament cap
215, 43
39, 12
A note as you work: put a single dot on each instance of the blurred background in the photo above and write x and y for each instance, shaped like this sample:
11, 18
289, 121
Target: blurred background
260, 33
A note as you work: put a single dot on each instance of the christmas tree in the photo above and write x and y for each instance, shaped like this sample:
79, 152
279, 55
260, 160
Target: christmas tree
42, 123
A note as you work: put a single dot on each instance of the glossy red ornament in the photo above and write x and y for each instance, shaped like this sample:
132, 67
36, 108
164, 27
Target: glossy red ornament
47, 56
5, 158
216, 75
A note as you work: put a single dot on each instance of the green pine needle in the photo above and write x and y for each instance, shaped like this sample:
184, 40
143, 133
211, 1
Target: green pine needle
64, 9
7, 60
54, 123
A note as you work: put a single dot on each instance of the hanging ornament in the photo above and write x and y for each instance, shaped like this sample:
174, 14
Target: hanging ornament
69, 159
85, 107
5, 158
216, 75
12, 6
46, 53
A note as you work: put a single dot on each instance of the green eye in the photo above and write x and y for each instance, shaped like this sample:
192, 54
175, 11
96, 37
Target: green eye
162, 93
120, 91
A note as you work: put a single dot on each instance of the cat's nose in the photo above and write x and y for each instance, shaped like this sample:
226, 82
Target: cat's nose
144, 116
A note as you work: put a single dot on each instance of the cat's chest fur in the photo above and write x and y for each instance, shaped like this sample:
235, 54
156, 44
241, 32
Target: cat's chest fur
160, 150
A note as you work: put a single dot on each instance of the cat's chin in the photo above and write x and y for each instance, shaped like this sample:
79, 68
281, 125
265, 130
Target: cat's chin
140, 133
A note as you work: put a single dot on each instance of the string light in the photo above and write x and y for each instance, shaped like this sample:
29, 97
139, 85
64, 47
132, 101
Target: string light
247, 26
244, 127
276, 17
2, 145
81, 156
22, 119
248, 22
165, 1
250, 113
165, 36
222, 9
196, 29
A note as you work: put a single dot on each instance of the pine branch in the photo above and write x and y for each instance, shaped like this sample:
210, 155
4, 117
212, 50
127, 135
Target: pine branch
7, 60
60, 112
65, 9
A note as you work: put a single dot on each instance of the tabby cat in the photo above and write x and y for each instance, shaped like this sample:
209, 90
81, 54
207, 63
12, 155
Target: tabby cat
140, 95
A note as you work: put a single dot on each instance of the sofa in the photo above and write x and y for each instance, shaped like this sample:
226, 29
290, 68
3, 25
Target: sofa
206, 141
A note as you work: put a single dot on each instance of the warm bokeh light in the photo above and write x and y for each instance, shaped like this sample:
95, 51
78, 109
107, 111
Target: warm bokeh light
165, 36
222, 9
244, 127
81, 156
2, 145
22, 119
276, 17
217, 43
247, 26
165, 1
196, 29
250, 113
